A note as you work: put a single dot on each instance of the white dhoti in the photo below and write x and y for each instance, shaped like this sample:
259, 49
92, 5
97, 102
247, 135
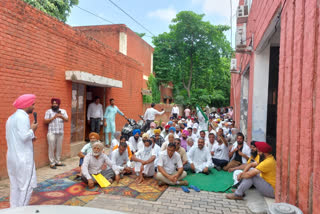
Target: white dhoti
199, 167
148, 169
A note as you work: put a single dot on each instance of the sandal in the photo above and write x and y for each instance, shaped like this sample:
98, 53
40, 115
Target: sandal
185, 189
194, 188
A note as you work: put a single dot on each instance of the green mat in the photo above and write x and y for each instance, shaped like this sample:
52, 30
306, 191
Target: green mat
216, 181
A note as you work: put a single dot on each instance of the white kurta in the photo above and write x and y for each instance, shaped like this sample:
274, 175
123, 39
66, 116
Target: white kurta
201, 158
145, 155
20, 162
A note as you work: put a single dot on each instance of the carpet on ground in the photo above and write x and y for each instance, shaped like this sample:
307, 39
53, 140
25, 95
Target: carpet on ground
216, 181
62, 189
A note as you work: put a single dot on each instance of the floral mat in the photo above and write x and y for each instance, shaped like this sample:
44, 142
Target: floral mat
64, 190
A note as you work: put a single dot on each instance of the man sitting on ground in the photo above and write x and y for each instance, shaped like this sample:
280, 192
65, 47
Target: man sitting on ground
144, 161
170, 168
123, 139
135, 141
120, 159
200, 158
239, 153
170, 139
211, 142
220, 152
86, 149
181, 151
165, 132
93, 163
158, 138
262, 175
255, 157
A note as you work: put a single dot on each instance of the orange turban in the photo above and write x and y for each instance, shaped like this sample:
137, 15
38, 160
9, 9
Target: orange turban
94, 134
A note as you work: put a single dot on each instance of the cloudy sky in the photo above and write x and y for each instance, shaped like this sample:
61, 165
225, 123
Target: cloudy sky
154, 15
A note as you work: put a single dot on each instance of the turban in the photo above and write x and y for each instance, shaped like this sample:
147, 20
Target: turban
170, 123
172, 129
263, 147
186, 132
157, 131
167, 127
98, 144
58, 101
94, 134
152, 125
134, 132
24, 101
145, 135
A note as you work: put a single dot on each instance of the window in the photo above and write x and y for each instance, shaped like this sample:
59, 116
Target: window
77, 112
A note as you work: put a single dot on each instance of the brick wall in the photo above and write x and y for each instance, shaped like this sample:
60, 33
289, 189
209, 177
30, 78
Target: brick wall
298, 150
137, 48
35, 52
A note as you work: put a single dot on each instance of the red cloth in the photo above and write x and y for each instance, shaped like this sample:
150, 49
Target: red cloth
58, 101
167, 127
24, 101
263, 147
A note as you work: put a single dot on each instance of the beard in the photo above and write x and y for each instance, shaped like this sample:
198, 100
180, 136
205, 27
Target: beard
55, 108
96, 153
136, 138
262, 157
254, 153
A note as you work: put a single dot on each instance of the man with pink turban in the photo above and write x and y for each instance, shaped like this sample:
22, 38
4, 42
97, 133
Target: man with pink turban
20, 162
55, 117
184, 136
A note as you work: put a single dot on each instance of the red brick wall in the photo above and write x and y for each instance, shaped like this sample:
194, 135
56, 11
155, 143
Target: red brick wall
137, 48
35, 52
298, 150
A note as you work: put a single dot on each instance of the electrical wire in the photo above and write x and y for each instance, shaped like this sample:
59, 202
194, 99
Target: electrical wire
130, 17
93, 14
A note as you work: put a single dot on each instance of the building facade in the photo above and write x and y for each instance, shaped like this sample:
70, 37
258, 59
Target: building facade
40, 55
275, 91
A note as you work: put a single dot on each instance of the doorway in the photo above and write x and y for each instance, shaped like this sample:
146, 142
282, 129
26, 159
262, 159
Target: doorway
273, 98
92, 92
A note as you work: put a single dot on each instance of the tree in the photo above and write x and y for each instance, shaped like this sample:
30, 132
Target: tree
59, 9
195, 56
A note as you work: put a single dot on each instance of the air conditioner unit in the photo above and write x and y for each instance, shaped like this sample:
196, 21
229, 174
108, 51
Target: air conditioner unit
242, 11
241, 36
233, 65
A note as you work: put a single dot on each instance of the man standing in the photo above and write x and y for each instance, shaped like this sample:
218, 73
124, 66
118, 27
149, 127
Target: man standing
175, 111
149, 116
55, 118
110, 120
95, 115
200, 158
20, 162
187, 113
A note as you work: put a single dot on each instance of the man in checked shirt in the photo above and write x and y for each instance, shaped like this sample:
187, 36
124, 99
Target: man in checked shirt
55, 118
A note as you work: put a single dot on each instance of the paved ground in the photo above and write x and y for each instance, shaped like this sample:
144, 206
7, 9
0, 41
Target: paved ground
173, 200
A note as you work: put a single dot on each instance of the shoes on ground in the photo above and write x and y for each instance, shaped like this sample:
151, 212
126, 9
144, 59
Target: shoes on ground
232, 196
60, 164
53, 167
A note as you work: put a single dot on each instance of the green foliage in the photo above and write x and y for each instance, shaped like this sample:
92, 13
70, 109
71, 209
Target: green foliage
153, 85
195, 56
147, 98
140, 34
57, 8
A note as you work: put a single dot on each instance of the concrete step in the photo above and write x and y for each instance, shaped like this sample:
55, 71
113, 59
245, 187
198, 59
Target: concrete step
256, 203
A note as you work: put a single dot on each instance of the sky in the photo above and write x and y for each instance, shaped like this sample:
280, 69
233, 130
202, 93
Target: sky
154, 15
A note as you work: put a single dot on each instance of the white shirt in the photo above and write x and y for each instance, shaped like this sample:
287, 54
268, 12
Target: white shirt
150, 132
114, 143
92, 165
245, 150
56, 125
145, 154
187, 112
135, 145
175, 136
95, 111
170, 164
156, 149
119, 160
221, 152
20, 162
151, 113
209, 145
175, 110
199, 156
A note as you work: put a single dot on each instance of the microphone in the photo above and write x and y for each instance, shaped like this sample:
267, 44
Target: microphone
35, 117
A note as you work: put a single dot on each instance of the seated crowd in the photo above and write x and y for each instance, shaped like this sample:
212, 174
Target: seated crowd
166, 152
